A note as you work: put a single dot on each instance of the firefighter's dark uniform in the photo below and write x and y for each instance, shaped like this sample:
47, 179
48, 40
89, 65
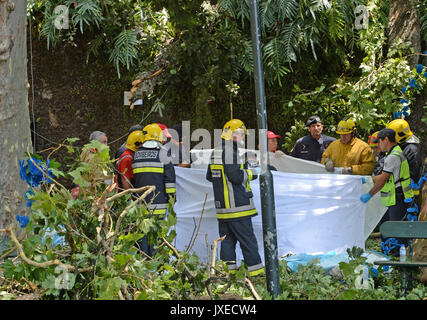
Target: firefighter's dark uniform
149, 170
234, 206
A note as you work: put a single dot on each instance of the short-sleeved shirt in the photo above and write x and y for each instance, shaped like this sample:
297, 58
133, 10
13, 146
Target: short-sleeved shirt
392, 164
308, 148
124, 164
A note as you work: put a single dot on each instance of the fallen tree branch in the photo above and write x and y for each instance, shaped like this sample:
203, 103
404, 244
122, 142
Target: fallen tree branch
148, 190
45, 264
214, 254
252, 289
193, 239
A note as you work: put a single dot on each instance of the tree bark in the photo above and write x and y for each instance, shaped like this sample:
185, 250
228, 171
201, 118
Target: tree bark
15, 136
404, 23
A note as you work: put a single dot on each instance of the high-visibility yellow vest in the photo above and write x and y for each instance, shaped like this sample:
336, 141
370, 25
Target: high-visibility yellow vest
388, 192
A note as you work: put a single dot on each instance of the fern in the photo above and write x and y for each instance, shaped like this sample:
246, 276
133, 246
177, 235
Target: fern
125, 49
247, 59
290, 40
86, 12
335, 22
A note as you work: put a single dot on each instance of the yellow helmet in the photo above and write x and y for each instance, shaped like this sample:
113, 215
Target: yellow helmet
232, 126
134, 140
346, 126
401, 127
153, 132
372, 138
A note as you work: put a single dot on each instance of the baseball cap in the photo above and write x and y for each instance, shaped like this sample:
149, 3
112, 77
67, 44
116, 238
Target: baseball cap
165, 130
386, 132
271, 134
313, 120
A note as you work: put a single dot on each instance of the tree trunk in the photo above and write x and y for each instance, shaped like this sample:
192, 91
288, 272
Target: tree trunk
404, 23
14, 116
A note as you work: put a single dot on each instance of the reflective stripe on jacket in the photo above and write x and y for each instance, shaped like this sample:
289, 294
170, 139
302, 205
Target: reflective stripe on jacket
149, 170
388, 191
230, 180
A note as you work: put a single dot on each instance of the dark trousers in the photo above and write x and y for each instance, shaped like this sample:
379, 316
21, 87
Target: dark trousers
242, 231
144, 246
395, 213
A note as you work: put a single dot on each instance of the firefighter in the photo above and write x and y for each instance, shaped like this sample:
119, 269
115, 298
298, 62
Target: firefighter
409, 144
234, 199
150, 168
349, 152
124, 174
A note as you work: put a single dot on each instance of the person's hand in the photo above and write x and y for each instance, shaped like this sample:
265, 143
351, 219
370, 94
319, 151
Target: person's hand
329, 165
367, 179
347, 170
365, 197
257, 170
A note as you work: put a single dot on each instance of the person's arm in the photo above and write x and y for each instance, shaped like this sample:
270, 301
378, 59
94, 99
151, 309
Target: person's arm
326, 154
126, 172
169, 179
367, 163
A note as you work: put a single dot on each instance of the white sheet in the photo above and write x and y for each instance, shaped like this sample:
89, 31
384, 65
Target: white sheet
315, 213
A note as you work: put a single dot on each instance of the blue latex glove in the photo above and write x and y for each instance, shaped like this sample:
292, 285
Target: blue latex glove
257, 169
365, 197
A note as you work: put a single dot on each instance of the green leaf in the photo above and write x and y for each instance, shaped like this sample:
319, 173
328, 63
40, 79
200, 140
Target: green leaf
109, 288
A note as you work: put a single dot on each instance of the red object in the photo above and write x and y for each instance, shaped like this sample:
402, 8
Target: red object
124, 164
75, 192
165, 130
271, 134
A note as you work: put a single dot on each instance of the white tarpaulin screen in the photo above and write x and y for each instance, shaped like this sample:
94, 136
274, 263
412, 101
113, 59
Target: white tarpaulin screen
315, 213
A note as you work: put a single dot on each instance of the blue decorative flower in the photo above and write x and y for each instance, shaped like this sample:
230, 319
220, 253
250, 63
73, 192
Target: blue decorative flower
23, 221
412, 83
425, 74
31, 173
402, 101
419, 68
30, 202
403, 89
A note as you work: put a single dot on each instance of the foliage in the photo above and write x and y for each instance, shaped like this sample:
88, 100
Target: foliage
372, 98
82, 245
125, 31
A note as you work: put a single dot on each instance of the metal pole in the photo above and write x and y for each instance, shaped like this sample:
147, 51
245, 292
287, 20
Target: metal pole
266, 178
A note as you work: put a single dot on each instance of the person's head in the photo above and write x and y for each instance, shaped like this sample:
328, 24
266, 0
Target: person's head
314, 126
134, 140
386, 139
100, 136
153, 132
136, 127
272, 141
347, 130
402, 129
234, 130
374, 145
